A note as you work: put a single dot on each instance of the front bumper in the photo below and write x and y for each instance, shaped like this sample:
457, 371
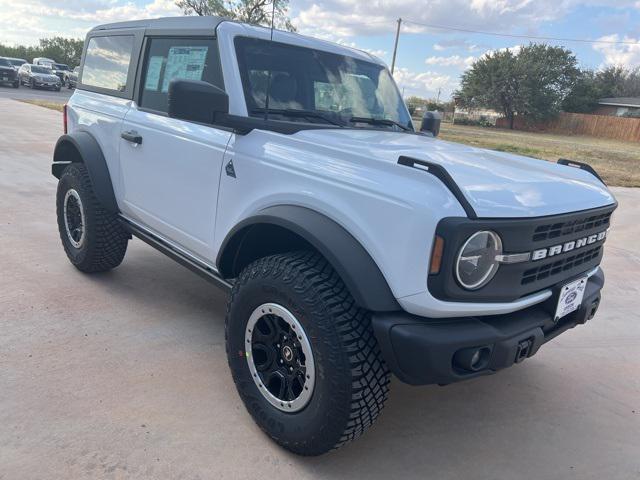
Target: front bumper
422, 351
46, 84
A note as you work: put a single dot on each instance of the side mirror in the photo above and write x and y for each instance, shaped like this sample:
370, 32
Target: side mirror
196, 101
431, 123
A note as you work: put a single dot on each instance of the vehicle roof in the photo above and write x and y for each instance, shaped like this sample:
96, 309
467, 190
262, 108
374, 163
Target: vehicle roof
621, 101
14, 58
202, 25
165, 23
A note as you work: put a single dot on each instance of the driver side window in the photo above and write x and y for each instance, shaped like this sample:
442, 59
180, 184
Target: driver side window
167, 59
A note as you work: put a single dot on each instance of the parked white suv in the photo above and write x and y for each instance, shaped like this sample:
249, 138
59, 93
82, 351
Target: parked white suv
288, 172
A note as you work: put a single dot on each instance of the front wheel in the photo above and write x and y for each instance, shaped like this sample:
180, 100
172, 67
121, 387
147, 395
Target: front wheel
302, 354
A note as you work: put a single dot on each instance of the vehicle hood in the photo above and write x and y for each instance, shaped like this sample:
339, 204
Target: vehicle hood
45, 77
496, 184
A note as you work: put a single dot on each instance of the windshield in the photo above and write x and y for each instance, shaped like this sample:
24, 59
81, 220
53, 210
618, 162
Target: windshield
17, 63
4, 63
318, 87
37, 69
60, 66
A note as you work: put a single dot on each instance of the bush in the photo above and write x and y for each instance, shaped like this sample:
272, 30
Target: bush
483, 121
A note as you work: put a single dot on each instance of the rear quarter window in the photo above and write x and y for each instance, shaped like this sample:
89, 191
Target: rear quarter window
107, 62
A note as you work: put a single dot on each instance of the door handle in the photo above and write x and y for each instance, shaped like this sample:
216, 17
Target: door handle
132, 136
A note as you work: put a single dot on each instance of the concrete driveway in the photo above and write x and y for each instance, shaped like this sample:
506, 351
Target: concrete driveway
124, 375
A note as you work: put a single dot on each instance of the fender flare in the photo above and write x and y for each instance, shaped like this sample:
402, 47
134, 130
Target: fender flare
83, 147
347, 256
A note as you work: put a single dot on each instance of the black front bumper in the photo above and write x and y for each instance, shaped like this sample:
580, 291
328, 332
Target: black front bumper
422, 351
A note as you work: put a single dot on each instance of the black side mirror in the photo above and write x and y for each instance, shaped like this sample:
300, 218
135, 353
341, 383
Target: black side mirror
197, 101
431, 123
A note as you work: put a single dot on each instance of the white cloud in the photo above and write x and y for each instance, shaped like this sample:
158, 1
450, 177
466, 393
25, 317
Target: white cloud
626, 55
347, 18
446, 44
451, 61
347, 43
27, 21
424, 84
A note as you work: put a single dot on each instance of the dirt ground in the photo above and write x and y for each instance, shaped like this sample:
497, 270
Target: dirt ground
617, 162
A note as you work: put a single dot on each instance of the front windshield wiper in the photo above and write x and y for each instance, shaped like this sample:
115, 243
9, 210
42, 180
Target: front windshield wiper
294, 112
379, 121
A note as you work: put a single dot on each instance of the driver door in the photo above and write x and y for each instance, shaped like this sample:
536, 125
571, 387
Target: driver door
170, 168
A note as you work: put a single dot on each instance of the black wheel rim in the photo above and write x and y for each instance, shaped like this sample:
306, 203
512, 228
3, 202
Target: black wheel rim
279, 357
74, 221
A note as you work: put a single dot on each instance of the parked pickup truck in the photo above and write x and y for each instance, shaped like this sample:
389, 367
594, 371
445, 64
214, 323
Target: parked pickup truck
286, 170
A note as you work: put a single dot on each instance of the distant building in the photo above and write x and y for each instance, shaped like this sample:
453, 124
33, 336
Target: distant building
618, 107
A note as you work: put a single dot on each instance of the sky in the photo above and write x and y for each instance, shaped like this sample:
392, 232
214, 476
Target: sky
430, 60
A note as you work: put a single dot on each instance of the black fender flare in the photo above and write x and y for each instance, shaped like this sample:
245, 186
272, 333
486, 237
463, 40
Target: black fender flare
83, 147
347, 256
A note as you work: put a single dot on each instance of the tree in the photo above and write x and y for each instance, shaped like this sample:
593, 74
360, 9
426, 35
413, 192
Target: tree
257, 12
617, 81
532, 82
613, 81
62, 50
584, 96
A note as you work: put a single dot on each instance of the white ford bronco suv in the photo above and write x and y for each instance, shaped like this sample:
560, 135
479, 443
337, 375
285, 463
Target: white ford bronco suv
287, 171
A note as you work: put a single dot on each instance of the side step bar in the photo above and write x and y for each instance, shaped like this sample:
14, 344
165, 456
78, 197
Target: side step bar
191, 263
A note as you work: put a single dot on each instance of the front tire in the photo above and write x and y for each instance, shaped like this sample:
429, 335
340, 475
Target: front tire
339, 382
93, 239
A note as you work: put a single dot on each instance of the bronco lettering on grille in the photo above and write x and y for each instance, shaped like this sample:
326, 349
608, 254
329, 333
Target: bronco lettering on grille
568, 246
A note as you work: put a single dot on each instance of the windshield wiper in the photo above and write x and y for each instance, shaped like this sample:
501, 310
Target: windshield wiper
379, 121
293, 112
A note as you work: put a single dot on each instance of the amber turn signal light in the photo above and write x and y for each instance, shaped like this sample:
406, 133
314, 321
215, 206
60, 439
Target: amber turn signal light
436, 255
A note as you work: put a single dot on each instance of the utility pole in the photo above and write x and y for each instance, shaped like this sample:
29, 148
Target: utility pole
395, 46
439, 91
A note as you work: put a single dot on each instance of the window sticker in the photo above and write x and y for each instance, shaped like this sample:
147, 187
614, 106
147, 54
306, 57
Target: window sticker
184, 62
153, 73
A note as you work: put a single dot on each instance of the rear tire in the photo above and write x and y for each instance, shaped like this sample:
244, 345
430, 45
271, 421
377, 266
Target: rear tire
93, 239
350, 380
16, 84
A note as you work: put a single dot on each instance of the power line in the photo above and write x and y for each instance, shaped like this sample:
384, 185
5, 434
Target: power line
513, 35
497, 34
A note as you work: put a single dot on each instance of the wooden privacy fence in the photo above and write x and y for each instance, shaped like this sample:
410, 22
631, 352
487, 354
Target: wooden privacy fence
617, 128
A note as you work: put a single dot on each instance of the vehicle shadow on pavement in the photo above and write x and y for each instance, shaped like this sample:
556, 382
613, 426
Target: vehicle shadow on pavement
490, 422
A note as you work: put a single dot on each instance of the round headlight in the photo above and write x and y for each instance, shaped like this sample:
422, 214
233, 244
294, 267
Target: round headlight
476, 263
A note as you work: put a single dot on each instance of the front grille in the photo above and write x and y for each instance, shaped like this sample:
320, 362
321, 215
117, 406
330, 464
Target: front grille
520, 235
560, 229
565, 265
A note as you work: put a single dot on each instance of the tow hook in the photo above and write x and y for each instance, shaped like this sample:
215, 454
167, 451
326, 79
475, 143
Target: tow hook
524, 349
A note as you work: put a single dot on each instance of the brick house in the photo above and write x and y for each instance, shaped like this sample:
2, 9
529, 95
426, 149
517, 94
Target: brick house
618, 107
